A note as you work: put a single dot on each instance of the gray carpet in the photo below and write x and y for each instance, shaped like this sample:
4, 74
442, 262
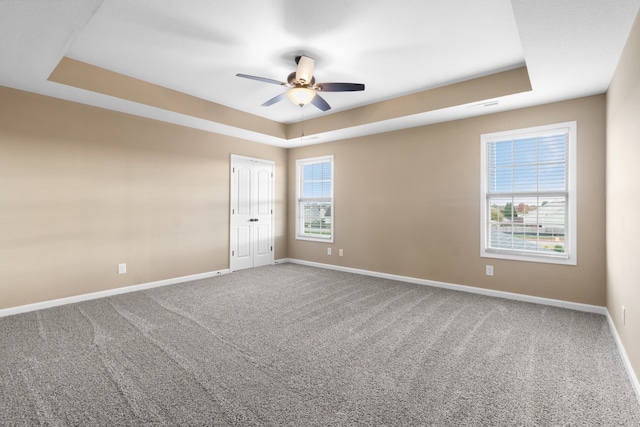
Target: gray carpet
289, 345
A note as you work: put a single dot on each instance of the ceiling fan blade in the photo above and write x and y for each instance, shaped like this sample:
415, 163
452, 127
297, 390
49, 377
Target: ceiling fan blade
304, 73
319, 102
339, 87
275, 99
261, 79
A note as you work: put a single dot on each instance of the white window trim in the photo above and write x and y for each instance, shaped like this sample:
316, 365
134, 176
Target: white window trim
299, 164
571, 222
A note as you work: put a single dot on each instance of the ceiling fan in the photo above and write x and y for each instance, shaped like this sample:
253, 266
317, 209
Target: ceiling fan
303, 86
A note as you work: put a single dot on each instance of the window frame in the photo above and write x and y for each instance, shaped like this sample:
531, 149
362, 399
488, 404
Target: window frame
569, 257
300, 163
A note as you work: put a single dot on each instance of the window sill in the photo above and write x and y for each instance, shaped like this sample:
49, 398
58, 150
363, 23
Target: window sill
514, 256
315, 239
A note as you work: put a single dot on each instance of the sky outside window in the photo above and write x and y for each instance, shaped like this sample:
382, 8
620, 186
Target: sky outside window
316, 180
528, 164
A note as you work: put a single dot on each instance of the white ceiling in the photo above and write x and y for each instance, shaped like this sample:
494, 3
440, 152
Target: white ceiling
570, 47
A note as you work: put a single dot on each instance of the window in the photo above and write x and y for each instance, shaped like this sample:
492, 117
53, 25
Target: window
529, 195
314, 207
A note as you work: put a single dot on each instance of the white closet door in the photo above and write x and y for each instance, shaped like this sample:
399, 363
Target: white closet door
251, 213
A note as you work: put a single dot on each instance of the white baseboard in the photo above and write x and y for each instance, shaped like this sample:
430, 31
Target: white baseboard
625, 359
101, 294
470, 289
507, 295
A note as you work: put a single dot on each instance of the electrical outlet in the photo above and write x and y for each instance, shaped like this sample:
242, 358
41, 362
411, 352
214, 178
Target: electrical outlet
624, 315
340, 252
328, 251
489, 270
122, 268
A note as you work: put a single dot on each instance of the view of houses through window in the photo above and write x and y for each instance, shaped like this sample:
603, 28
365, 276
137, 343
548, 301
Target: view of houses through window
528, 223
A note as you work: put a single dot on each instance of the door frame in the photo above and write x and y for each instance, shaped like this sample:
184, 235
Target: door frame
232, 165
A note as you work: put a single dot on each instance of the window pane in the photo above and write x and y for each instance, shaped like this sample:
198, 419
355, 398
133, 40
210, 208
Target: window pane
525, 152
553, 148
500, 154
315, 189
528, 164
552, 177
316, 180
317, 171
525, 178
316, 218
527, 223
500, 179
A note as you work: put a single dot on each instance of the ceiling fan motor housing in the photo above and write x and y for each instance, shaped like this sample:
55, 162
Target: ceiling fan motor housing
291, 80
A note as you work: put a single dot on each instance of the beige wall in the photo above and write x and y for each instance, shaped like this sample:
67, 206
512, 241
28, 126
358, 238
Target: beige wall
408, 203
83, 189
623, 197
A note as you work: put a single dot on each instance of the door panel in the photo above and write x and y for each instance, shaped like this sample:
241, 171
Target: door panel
244, 190
263, 247
244, 241
264, 192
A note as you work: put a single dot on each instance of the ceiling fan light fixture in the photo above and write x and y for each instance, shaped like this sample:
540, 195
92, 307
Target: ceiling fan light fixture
301, 95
